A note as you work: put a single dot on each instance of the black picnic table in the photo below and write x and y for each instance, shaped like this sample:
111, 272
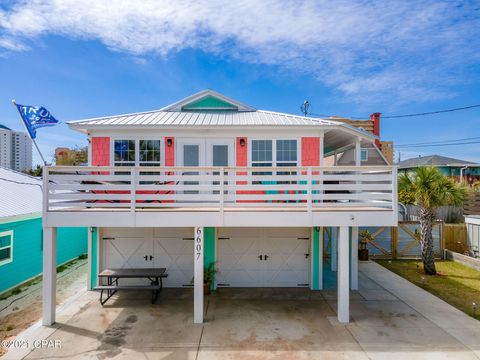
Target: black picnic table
155, 275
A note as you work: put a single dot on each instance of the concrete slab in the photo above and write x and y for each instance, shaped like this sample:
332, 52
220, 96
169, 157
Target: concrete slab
389, 319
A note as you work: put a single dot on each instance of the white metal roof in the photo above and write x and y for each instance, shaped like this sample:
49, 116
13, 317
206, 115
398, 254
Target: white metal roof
203, 118
20, 194
182, 114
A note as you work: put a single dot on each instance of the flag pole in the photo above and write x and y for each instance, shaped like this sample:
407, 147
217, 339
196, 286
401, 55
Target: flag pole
30, 136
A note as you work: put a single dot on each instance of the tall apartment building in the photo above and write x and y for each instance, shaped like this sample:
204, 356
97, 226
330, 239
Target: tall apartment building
15, 149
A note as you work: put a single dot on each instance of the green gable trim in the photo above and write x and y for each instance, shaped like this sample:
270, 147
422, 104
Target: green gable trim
209, 103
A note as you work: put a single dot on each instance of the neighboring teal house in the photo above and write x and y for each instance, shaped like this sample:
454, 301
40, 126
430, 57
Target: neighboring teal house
21, 231
455, 168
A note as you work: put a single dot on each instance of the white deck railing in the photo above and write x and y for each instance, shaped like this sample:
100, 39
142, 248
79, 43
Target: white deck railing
138, 188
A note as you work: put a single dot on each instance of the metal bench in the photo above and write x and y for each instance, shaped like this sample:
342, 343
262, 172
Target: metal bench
113, 275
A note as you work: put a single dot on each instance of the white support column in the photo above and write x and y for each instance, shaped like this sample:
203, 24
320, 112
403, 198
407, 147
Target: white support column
343, 292
320, 259
333, 249
358, 153
49, 276
198, 276
354, 268
354, 232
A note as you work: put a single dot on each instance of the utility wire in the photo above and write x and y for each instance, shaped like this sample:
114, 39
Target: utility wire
439, 142
431, 112
404, 115
450, 144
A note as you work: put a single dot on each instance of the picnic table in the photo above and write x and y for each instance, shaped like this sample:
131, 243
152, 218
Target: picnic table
155, 275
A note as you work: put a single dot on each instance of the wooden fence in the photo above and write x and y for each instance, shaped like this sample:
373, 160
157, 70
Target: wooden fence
455, 236
472, 204
448, 214
404, 241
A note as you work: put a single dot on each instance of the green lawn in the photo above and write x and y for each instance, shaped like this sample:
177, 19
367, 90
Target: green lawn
456, 284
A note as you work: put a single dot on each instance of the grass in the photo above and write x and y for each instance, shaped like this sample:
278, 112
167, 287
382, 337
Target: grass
455, 283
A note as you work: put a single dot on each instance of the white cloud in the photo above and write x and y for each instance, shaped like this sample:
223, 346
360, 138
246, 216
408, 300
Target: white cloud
410, 50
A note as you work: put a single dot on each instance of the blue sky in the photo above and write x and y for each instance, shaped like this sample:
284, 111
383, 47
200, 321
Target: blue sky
88, 58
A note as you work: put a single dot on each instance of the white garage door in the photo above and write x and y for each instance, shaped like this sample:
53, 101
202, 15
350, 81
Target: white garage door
263, 257
171, 248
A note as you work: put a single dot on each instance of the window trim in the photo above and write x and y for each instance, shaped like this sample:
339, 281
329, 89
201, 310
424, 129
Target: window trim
274, 150
7, 233
137, 148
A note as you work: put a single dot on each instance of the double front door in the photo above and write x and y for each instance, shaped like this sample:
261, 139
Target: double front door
205, 152
199, 153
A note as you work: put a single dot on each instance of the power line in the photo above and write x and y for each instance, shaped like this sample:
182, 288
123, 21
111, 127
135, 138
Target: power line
448, 144
431, 112
404, 115
438, 142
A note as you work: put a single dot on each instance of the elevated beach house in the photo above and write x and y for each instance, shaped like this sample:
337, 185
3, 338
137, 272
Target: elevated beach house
209, 179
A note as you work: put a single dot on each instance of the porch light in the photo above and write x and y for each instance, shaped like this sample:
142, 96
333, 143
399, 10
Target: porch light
169, 142
242, 142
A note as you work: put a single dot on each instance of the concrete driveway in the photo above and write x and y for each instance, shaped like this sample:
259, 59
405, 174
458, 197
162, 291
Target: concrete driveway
391, 318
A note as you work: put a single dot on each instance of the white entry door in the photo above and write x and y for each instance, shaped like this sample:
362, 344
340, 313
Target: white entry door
258, 257
220, 152
191, 152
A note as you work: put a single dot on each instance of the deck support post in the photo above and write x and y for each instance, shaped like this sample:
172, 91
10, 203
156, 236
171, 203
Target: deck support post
49, 277
343, 294
198, 252
354, 255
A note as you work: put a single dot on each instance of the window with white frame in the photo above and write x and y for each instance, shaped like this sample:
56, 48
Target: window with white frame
285, 153
149, 153
6, 247
136, 152
262, 153
124, 153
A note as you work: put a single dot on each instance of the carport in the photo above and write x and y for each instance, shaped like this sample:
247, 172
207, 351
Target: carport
246, 258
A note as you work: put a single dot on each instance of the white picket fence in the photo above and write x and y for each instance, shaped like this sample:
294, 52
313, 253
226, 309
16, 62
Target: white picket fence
214, 188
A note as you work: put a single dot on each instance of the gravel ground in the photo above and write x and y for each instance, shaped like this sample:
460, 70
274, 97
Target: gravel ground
20, 311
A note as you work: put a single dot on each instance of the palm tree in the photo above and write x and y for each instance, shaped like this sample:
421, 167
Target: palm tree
430, 189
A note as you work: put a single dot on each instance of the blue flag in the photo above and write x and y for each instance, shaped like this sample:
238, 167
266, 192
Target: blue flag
35, 117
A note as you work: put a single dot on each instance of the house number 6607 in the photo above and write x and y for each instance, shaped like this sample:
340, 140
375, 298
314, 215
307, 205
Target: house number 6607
198, 242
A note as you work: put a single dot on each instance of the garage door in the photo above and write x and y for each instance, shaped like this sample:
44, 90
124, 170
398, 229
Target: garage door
171, 248
263, 257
